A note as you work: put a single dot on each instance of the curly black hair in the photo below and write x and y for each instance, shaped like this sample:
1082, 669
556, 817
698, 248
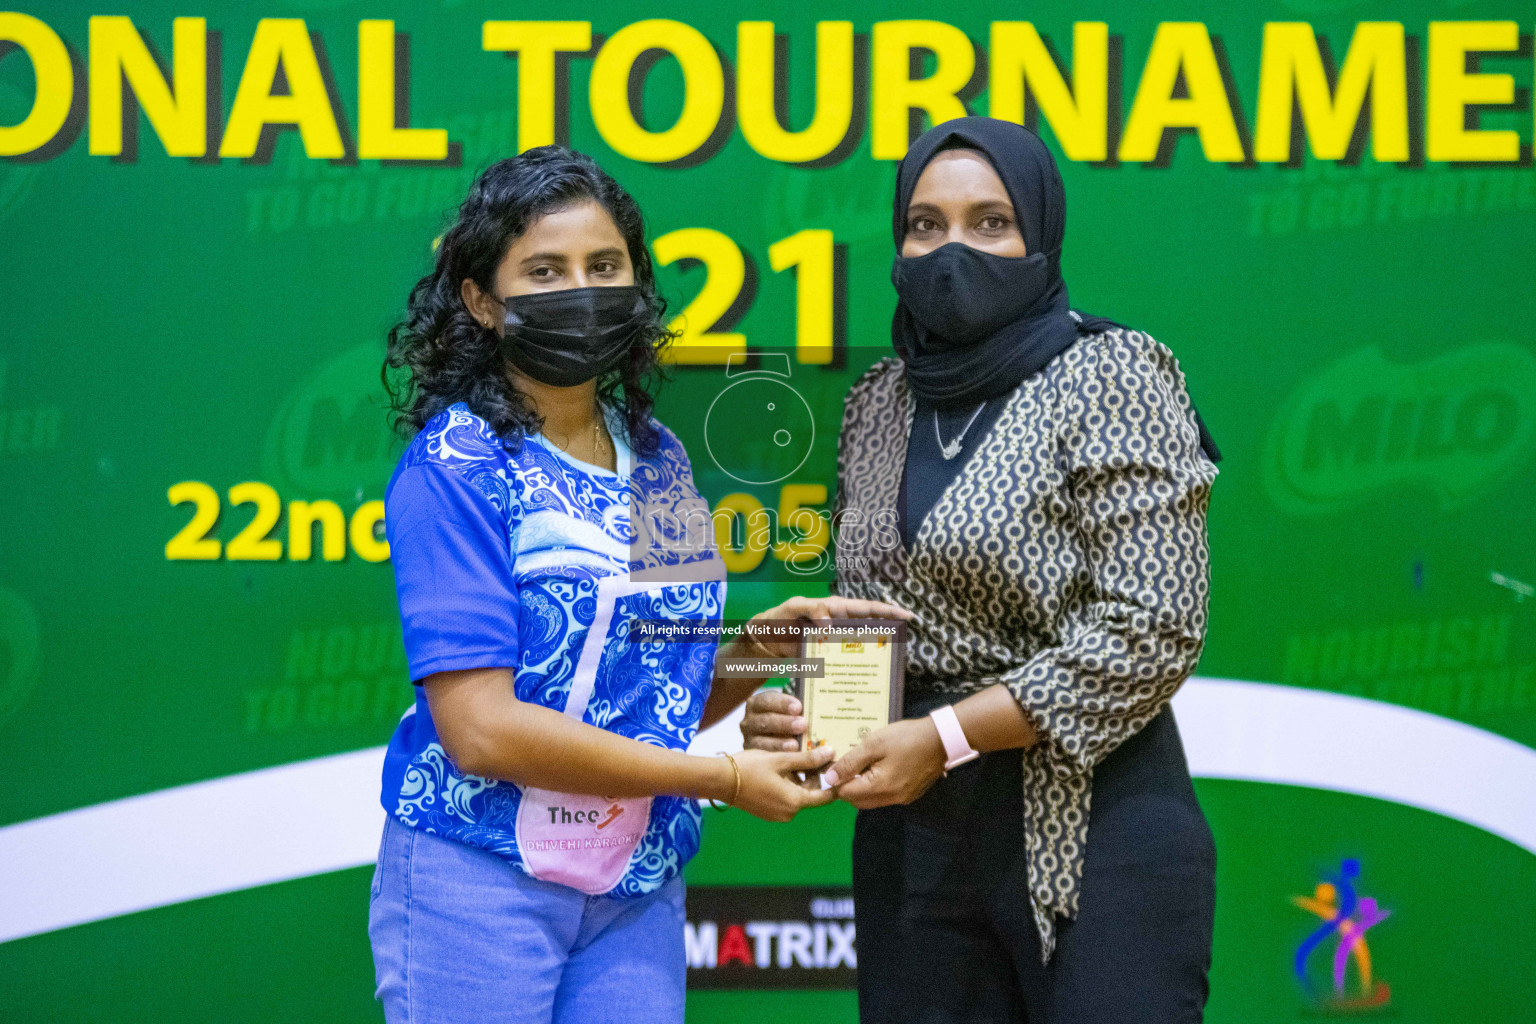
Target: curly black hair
448, 356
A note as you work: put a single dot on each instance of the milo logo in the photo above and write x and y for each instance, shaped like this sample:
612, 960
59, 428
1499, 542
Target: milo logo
1455, 425
331, 434
19, 648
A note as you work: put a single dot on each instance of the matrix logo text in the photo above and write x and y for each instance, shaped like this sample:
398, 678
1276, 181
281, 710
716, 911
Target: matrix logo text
774, 937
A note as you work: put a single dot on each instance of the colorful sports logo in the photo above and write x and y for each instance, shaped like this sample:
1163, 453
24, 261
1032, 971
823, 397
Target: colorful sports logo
1347, 916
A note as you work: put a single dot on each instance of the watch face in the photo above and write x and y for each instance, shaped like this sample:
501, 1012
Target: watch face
759, 430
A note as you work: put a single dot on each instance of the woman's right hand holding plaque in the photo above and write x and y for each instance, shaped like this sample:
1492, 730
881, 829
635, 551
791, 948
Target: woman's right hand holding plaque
844, 702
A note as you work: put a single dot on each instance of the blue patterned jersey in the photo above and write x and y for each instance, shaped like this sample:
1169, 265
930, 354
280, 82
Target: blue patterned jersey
498, 557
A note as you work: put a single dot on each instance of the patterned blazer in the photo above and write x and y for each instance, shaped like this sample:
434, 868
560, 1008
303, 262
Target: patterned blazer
1067, 561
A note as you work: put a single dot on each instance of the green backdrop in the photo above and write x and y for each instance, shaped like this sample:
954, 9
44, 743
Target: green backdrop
1358, 334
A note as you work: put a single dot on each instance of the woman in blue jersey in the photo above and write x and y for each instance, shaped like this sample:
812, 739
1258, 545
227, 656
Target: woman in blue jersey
540, 802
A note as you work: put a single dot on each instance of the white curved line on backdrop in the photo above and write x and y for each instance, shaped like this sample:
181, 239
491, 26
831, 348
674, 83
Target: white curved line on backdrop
323, 815
1260, 732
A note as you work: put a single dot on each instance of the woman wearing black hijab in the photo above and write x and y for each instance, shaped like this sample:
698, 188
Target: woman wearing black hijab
1049, 478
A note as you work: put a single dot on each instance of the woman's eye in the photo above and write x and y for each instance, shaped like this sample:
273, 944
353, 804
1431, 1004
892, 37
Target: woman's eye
923, 224
543, 273
994, 223
606, 267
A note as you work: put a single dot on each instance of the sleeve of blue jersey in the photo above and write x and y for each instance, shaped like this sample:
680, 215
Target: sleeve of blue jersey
453, 572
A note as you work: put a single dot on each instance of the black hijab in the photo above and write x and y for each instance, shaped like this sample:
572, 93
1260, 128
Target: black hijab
1039, 323
1026, 319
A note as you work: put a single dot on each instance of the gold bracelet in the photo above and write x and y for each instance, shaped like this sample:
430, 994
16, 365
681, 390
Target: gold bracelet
734, 792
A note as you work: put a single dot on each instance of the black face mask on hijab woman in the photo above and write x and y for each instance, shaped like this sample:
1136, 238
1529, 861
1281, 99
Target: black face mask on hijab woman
962, 296
972, 325
568, 337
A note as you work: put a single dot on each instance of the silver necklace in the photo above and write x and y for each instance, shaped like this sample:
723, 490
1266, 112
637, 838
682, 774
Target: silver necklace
952, 449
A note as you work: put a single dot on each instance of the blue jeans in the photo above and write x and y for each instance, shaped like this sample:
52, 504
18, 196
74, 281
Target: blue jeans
461, 935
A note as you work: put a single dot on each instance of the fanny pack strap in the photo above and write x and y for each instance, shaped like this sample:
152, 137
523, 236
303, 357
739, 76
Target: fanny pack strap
609, 590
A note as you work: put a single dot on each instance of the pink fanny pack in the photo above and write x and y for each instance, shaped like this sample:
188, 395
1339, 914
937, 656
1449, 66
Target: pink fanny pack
584, 842
581, 841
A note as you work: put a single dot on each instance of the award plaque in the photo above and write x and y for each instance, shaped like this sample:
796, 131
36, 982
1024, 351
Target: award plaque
860, 687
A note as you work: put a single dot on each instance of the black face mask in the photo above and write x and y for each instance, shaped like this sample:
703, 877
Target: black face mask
568, 337
964, 296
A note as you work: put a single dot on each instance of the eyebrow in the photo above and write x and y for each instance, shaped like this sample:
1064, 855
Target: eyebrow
611, 252
543, 257
999, 204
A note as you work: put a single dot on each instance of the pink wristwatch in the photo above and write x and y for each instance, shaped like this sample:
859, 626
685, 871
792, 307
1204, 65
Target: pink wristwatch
957, 749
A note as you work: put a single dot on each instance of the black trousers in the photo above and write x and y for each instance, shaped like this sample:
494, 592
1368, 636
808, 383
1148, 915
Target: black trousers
945, 931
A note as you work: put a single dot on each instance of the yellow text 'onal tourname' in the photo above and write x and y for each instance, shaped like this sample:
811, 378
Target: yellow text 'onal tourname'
1415, 96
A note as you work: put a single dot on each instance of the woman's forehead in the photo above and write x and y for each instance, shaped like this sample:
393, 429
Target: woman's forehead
959, 173
584, 219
